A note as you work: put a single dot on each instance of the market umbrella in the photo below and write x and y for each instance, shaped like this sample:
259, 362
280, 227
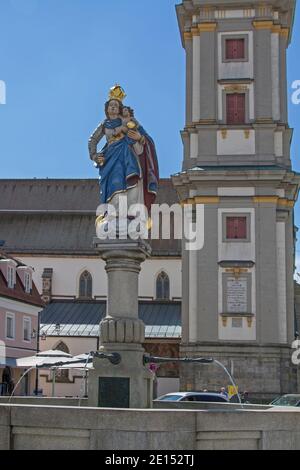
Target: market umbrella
45, 359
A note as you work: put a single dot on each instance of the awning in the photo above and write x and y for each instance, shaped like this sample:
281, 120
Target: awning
8, 361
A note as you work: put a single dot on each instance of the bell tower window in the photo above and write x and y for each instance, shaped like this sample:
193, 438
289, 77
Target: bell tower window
236, 108
235, 49
236, 228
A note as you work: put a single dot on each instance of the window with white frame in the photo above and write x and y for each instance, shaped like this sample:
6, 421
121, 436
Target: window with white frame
10, 326
27, 329
11, 277
27, 282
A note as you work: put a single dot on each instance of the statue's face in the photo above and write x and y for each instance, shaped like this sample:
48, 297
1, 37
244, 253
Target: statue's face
113, 109
126, 113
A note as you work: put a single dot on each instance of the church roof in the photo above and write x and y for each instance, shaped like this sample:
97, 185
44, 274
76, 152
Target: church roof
81, 318
56, 216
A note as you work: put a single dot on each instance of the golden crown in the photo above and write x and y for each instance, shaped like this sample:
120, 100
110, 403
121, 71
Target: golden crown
117, 93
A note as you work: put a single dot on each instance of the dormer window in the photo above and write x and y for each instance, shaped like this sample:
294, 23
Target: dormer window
27, 283
11, 277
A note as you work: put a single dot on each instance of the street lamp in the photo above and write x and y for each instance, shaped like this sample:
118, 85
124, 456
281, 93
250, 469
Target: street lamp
37, 335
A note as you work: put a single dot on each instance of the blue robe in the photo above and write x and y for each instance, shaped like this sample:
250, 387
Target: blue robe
121, 170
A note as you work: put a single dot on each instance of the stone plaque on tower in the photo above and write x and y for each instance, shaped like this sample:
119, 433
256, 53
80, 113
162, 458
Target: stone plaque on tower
236, 295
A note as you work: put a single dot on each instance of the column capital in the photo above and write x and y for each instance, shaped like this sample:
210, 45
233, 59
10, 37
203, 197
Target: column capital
207, 27
122, 330
127, 248
263, 24
187, 35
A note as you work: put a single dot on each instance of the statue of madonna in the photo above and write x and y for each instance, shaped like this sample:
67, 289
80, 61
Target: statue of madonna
127, 163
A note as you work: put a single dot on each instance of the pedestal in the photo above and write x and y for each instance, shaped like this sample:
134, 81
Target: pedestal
128, 384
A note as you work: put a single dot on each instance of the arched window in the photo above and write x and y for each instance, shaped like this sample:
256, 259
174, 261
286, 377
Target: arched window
85, 285
163, 286
62, 375
62, 347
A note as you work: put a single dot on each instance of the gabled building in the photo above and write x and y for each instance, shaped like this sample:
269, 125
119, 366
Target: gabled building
20, 304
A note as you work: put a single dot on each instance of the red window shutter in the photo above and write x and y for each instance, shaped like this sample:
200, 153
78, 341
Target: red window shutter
236, 228
240, 111
229, 49
235, 104
230, 227
240, 49
235, 49
230, 106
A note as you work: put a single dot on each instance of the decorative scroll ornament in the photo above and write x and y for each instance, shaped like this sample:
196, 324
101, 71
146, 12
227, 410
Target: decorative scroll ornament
236, 271
117, 93
236, 88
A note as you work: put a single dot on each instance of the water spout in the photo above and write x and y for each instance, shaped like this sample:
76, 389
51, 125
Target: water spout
20, 379
200, 360
231, 379
84, 378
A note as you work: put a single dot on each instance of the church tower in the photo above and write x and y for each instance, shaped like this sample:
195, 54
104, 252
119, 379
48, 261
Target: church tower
238, 296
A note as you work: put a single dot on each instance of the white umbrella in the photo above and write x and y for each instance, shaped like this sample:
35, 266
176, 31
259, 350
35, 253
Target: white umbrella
45, 359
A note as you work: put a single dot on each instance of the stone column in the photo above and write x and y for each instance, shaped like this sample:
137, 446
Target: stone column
128, 384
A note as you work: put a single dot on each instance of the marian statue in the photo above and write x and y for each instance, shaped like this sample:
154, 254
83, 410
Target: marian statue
127, 162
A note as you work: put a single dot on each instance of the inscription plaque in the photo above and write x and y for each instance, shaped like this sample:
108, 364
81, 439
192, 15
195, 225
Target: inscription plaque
236, 295
113, 392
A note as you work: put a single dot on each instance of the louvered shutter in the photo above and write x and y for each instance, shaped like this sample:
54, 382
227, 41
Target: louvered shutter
235, 108
235, 49
236, 228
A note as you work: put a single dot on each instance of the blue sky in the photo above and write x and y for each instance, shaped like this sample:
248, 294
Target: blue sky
59, 58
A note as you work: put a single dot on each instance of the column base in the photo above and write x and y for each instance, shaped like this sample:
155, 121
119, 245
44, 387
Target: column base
125, 385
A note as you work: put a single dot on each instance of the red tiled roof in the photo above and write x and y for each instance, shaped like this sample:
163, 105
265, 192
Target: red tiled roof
18, 293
